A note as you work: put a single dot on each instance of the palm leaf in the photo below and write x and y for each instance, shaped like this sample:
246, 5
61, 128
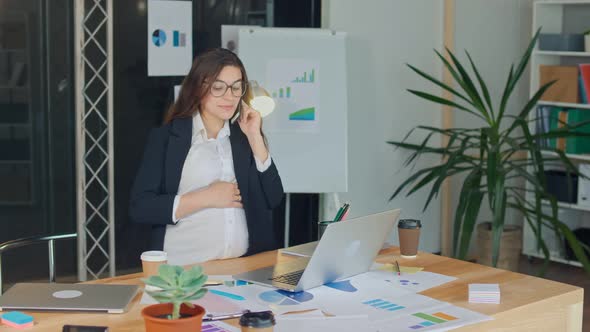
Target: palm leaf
482, 84
467, 211
513, 77
499, 211
439, 83
442, 101
470, 88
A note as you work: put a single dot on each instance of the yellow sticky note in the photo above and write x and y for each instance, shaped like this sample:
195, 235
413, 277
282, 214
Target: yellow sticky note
404, 269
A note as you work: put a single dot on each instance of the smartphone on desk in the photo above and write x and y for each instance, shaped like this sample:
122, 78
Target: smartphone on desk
84, 328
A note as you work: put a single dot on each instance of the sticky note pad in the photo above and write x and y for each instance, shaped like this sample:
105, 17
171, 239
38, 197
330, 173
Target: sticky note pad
484, 293
16, 317
17, 326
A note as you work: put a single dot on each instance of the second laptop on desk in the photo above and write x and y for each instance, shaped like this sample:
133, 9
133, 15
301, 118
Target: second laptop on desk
347, 248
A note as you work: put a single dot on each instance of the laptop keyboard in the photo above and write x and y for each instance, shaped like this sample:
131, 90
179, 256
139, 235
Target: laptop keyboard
291, 278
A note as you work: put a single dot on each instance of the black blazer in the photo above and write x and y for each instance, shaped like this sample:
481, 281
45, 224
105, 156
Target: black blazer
158, 177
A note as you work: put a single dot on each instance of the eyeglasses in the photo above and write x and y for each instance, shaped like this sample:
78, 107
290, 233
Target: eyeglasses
219, 88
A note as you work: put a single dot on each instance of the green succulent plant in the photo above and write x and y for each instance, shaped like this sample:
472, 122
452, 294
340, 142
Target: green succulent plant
177, 286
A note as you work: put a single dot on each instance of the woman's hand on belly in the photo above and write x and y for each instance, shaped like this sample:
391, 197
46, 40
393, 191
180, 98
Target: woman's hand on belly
221, 194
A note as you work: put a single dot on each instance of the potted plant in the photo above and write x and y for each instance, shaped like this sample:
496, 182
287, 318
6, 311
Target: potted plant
174, 288
501, 150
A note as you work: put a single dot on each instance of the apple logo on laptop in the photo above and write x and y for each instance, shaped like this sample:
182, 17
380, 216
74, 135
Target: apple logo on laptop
352, 248
67, 294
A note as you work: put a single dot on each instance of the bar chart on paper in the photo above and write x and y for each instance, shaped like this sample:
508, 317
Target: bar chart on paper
434, 317
303, 114
282, 93
295, 87
305, 78
383, 305
178, 39
430, 320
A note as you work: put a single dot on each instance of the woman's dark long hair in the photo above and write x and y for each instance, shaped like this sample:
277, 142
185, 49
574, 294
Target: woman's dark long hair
197, 83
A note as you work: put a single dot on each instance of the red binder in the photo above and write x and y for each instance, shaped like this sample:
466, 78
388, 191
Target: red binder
585, 73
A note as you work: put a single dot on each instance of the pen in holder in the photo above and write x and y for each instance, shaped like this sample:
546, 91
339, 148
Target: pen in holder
322, 225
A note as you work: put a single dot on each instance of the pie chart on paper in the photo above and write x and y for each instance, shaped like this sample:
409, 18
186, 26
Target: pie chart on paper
159, 37
281, 297
344, 286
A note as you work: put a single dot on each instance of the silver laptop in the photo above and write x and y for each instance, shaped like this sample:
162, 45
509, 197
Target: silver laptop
68, 297
347, 248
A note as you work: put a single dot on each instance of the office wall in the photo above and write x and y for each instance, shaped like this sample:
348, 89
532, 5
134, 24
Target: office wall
496, 34
383, 36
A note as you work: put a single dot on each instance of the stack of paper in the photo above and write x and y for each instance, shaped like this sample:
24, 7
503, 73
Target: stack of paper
484, 293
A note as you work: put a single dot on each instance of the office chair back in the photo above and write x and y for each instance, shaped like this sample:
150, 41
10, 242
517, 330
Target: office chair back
13, 244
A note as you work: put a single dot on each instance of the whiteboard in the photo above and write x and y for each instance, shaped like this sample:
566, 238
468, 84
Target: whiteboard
305, 71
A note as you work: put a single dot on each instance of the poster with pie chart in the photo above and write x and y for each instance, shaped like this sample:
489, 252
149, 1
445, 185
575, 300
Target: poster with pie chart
169, 38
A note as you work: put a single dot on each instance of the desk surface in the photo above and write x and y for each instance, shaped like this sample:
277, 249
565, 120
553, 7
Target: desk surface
528, 303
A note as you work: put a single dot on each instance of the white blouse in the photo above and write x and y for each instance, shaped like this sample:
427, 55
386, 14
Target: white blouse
209, 233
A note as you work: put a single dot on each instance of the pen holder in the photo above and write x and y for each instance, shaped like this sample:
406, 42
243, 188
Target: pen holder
322, 225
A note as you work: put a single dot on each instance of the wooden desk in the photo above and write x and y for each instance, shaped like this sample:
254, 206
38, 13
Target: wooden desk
528, 303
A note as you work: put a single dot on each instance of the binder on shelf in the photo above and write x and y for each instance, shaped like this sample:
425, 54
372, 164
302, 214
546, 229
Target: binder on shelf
542, 125
560, 143
553, 118
585, 79
578, 145
584, 186
548, 118
565, 89
582, 88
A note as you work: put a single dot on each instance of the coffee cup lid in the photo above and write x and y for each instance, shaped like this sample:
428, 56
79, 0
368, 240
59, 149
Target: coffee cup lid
154, 256
259, 319
409, 223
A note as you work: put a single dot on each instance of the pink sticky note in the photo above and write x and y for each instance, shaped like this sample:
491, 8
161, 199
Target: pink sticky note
17, 326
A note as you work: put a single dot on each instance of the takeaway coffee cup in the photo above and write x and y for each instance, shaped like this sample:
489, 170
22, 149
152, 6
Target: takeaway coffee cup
409, 237
151, 261
262, 321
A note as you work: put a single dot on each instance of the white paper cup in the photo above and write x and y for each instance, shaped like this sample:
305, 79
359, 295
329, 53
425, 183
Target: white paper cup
151, 261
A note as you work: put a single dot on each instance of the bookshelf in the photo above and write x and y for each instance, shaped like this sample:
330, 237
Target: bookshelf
16, 118
558, 17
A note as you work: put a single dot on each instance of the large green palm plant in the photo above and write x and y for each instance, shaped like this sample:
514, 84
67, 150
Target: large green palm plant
501, 150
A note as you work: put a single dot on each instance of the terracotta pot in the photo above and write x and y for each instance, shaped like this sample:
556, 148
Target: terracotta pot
153, 322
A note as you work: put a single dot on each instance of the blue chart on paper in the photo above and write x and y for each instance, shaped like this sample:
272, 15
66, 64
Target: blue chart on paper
383, 305
285, 298
159, 37
404, 282
344, 286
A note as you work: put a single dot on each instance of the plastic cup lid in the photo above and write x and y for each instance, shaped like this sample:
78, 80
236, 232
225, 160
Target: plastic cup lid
259, 319
154, 256
409, 223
